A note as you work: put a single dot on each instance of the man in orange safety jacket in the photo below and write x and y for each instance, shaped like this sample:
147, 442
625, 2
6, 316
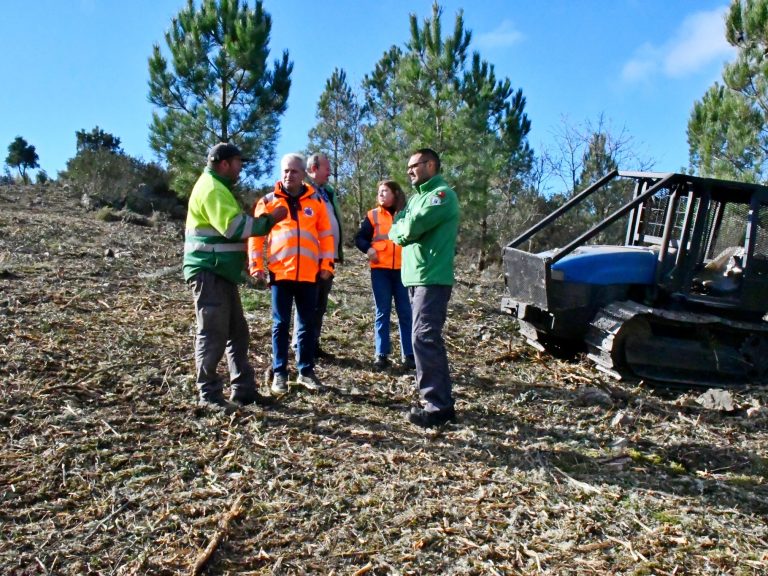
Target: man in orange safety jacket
299, 251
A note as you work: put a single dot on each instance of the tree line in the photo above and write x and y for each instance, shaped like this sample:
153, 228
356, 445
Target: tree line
212, 81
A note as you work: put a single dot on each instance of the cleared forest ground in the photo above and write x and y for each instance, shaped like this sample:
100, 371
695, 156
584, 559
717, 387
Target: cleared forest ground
108, 467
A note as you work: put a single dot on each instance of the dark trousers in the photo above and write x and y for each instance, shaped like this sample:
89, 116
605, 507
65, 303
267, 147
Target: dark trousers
323, 291
387, 285
430, 310
323, 288
221, 329
284, 294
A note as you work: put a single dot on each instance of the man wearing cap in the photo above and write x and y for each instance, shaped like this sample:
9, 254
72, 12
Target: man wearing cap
214, 263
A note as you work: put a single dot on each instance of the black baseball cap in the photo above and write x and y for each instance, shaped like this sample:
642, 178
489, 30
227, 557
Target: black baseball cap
224, 151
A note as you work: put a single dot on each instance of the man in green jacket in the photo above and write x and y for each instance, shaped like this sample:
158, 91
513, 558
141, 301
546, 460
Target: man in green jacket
318, 173
214, 263
427, 231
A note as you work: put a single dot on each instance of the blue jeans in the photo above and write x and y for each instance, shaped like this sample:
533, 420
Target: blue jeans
386, 284
323, 291
430, 310
284, 294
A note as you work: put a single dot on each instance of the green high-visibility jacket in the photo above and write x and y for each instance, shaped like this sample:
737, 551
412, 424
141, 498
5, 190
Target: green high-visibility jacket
427, 230
217, 229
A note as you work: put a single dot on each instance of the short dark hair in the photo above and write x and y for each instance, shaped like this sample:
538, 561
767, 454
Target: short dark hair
430, 155
223, 151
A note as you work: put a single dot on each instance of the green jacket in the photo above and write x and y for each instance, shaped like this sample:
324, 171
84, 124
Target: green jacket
334, 201
427, 230
217, 229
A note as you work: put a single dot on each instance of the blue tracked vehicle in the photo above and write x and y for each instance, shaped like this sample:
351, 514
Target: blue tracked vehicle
683, 299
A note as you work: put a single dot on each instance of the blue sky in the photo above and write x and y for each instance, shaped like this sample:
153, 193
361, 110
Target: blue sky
74, 64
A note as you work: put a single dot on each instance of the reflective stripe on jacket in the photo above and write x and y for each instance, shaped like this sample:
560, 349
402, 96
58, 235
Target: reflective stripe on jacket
388, 252
217, 229
299, 246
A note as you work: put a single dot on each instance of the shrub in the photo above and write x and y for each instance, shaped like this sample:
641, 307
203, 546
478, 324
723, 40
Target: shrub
6, 179
107, 214
119, 181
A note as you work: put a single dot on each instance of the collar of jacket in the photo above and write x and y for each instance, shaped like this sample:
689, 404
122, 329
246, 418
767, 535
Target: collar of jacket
226, 181
306, 190
326, 187
432, 184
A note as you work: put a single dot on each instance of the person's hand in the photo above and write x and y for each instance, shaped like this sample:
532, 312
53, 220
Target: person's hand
325, 275
259, 280
372, 255
279, 213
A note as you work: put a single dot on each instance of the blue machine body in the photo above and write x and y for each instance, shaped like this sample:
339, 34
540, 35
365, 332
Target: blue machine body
605, 265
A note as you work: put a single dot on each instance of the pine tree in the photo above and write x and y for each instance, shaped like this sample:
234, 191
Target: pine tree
598, 160
339, 134
728, 128
97, 139
217, 87
22, 156
724, 136
385, 102
432, 94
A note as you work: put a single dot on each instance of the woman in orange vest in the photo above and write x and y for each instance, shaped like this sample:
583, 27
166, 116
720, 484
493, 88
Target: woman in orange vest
384, 258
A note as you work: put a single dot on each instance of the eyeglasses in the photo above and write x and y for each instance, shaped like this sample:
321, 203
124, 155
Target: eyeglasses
415, 164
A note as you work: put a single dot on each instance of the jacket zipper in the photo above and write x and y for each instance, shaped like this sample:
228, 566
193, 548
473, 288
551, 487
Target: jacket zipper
294, 205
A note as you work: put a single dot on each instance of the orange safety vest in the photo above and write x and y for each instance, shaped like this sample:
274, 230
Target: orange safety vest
387, 251
299, 246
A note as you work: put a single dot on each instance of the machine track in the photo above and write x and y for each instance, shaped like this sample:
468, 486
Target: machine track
628, 339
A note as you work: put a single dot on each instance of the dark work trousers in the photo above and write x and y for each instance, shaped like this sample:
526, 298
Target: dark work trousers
323, 291
430, 309
284, 294
221, 328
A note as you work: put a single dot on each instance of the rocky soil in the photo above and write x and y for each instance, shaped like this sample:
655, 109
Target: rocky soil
108, 467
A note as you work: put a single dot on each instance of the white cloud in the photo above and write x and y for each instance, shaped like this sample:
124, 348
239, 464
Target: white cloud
643, 64
505, 35
702, 40
698, 42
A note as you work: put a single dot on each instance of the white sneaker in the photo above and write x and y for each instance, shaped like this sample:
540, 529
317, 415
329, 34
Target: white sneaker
279, 383
310, 381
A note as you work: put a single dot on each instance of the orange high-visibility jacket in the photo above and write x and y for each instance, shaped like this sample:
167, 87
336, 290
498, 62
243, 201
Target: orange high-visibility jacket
299, 246
387, 251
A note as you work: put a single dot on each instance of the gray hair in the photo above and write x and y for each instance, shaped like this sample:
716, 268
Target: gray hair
285, 160
313, 160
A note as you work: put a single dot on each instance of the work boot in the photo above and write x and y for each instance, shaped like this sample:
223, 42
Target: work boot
421, 417
409, 362
244, 398
310, 381
381, 362
217, 403
279, 383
